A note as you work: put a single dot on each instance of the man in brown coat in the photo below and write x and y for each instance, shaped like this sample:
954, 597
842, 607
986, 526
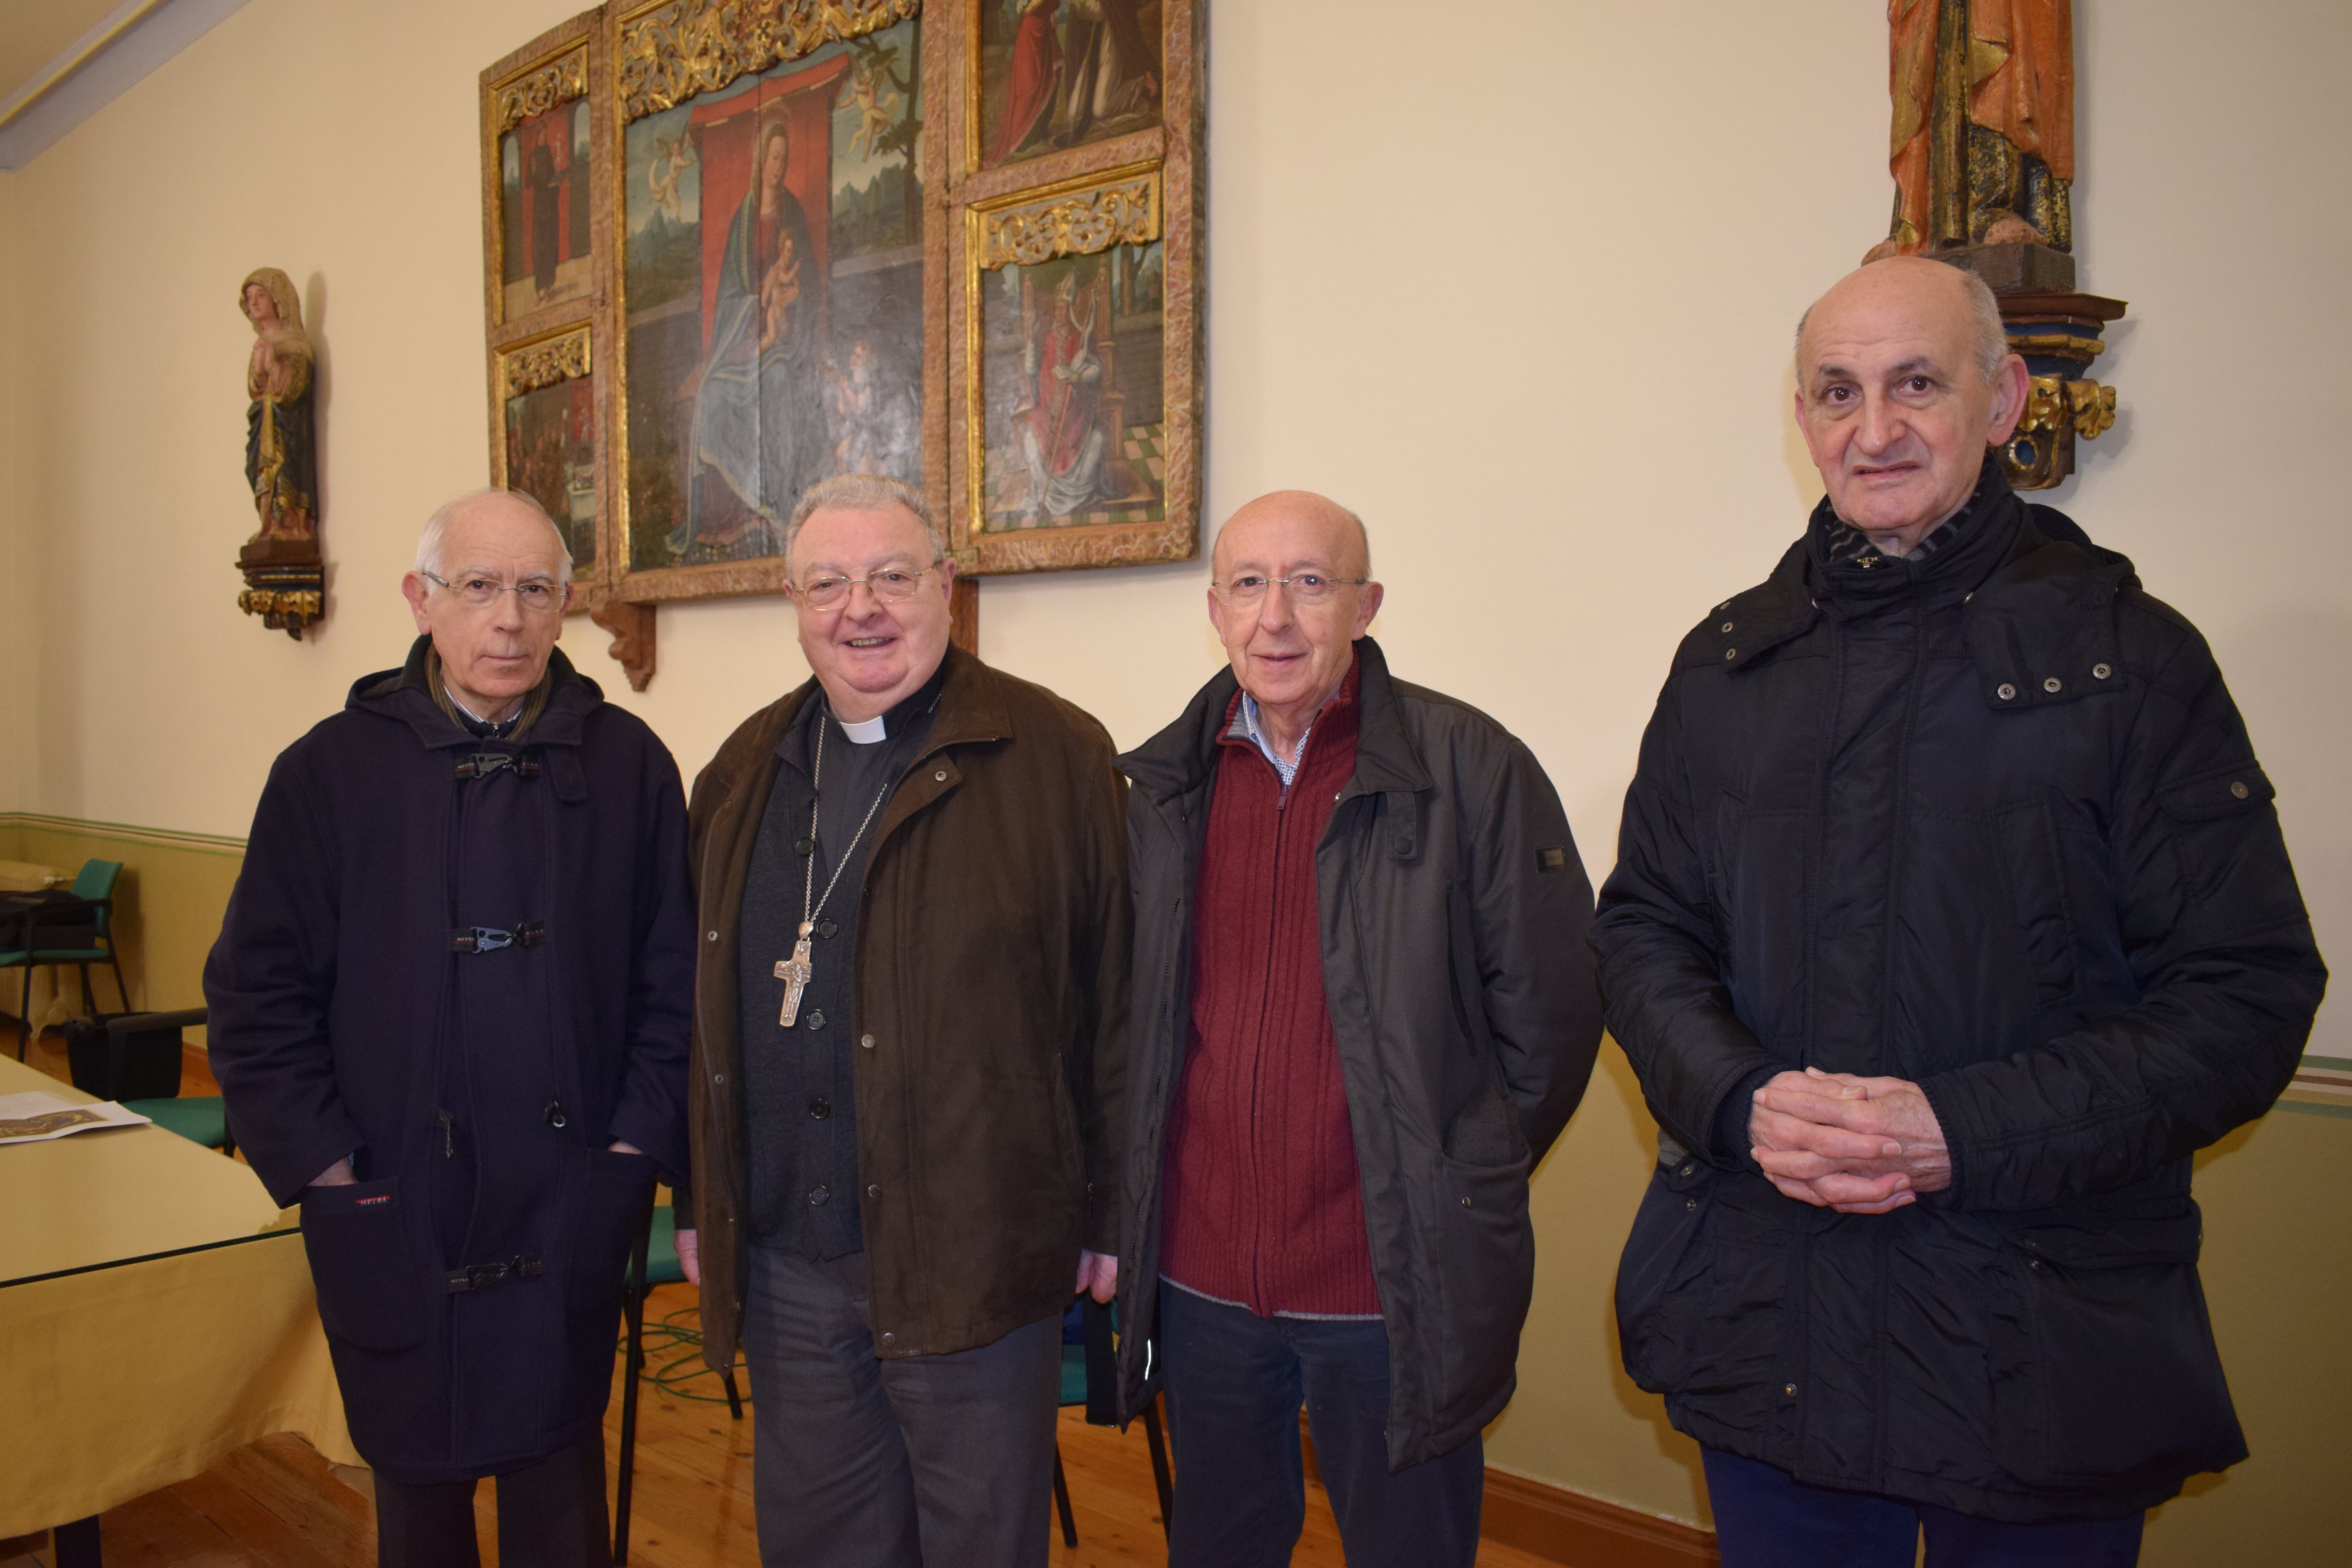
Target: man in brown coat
909, 1051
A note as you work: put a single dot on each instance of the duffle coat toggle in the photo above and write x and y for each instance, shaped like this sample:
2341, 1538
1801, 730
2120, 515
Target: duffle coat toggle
490, 939
483, 1276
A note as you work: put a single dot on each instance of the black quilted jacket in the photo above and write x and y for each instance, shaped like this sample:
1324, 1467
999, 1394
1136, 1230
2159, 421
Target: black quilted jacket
1988, 821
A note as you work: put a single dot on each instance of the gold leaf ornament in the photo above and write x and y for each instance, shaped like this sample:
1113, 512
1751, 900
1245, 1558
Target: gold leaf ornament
542, 89
1126, 213
544, 364
672, 52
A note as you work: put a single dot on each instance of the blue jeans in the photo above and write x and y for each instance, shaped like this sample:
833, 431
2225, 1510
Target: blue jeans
1766, 1518
1234, 1383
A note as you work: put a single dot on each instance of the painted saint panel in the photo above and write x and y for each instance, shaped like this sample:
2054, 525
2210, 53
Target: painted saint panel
1074, 429
774, 281
550, 451
1063, 73
544, 207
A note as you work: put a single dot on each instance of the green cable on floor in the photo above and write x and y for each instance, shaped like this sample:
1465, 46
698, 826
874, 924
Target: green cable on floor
668, 1377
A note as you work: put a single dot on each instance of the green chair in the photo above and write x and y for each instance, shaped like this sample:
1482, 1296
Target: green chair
135, 1058
52, 932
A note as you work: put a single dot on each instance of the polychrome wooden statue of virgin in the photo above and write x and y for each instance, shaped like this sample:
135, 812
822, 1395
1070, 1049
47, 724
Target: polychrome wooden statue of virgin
281, 438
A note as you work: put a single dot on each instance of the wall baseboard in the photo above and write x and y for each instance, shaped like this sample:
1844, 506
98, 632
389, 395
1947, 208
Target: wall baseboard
1563, 1526
1571, 1528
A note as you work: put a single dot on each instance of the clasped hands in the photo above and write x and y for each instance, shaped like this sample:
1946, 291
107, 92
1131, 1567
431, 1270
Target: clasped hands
1858, 1145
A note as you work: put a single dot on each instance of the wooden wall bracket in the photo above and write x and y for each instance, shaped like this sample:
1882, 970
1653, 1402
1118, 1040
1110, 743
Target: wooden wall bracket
963, 616
631, 626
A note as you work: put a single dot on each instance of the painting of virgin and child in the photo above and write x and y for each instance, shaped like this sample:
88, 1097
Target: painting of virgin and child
774, 290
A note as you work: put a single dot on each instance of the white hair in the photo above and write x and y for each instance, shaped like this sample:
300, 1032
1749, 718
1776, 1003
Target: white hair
1990, 339
429, 558
862, 492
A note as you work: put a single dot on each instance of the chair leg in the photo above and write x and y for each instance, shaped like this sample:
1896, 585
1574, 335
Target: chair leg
115, 963
734, 1397
88, 997
633, 1298
1062, 1501
25, 1014
1159, 1465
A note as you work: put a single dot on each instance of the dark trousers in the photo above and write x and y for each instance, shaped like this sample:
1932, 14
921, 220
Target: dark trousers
858, 1462
550, 1515
1234, 1383
1766, 1518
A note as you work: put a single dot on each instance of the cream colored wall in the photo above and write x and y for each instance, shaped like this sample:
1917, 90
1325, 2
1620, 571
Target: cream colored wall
1519, 292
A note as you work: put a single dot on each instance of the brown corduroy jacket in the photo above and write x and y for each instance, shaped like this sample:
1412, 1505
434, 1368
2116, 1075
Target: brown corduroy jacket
992, 989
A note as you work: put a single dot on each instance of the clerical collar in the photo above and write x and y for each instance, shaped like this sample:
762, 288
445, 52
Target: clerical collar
873, 731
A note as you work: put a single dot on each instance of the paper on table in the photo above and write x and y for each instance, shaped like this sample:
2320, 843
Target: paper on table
36, 1118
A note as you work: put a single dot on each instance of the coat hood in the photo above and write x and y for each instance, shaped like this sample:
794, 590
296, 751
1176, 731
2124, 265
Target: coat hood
406, 694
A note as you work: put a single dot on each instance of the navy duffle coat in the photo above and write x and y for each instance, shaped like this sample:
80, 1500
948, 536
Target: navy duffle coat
468, 964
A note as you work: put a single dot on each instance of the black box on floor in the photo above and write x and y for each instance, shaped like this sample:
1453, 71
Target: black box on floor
148, 1067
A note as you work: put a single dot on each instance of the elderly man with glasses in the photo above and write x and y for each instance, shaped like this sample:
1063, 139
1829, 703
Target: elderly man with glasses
1365, 1010
449, 1016
908, 1059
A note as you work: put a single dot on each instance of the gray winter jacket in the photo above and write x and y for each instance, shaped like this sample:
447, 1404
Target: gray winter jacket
1453, 912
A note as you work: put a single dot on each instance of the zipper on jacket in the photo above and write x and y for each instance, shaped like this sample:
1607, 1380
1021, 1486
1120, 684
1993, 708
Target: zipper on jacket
1257, 1061
448, 1138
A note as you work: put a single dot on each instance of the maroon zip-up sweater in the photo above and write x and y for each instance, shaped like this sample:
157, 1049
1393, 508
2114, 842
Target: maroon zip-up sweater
1262, 1205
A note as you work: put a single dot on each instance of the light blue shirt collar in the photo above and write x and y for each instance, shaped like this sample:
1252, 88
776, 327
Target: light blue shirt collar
1289, 771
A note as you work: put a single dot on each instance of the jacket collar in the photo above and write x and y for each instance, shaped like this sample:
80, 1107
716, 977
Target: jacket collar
1180, 759
1974, 543
2027, 575
407, 695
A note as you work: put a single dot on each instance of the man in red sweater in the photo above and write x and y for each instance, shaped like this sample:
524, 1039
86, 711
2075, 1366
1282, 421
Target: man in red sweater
1363, 1010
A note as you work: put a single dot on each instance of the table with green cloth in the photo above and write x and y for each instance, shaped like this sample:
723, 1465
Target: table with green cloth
155, 1313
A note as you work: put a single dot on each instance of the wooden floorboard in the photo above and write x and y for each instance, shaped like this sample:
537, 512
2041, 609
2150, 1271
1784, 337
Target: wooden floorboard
278, 1504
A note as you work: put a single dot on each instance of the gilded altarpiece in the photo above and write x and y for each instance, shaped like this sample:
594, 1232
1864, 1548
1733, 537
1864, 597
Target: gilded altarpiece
955, 242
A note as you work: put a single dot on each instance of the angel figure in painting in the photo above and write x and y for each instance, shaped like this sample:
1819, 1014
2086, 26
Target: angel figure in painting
878, 110
673, 156
280, 451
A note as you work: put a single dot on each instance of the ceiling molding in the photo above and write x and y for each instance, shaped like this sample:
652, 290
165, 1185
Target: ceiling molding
97, 67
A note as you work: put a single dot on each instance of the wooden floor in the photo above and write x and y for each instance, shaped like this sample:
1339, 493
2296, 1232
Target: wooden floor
278, 1504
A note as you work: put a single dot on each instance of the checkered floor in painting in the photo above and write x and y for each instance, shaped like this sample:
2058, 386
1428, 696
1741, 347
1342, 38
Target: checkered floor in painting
1144, 447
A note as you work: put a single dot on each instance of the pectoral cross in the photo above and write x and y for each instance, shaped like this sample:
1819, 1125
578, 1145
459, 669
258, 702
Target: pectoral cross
795, 972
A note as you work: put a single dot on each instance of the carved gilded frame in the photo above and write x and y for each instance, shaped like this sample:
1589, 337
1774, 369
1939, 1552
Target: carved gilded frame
668, 52
632, 57
562, 65
1144, 184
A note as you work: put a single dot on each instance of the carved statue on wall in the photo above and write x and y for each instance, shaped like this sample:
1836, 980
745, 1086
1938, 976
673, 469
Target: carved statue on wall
285, 579
1982, 149
281, 455
1983, 133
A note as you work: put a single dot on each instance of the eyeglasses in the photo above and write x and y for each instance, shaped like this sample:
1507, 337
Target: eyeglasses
889, 585
1304, 587
536, 596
